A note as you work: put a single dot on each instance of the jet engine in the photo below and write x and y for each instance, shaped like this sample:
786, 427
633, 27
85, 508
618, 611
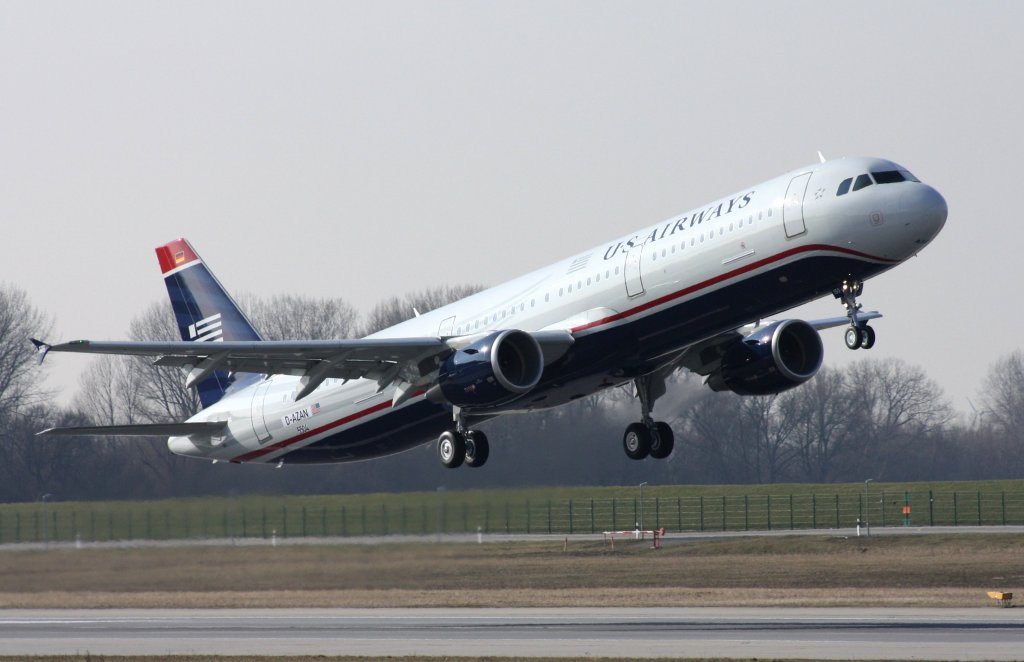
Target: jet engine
772, 359
492, 371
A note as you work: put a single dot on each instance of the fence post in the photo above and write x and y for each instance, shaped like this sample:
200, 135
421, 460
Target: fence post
769, 512
790, 511
527, 516
746, 513
384, 518
956, 515
679, 512
508, 523
362, 518
549, 516
613, 513
814, 512
723, 512
837, 510
593, 528
1003, 499
323, 519
931, 508
881, 505
465, 516
344, 522
702, 512
304, 532
979, 508
657, 512
570, 515
284, 521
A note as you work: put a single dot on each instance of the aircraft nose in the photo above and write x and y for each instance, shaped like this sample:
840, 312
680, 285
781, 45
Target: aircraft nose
925, 210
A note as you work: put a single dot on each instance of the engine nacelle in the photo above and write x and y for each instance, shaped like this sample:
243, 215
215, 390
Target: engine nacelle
493, 370
770, 360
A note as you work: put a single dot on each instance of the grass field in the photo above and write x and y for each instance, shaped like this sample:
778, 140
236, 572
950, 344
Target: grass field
541, 510
806, 570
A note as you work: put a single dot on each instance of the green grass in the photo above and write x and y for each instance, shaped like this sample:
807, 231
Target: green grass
537, 510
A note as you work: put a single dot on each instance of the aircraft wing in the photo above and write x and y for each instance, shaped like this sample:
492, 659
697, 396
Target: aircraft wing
141, 430
407, 361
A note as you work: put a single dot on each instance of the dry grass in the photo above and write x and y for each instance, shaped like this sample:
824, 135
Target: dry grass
818, 571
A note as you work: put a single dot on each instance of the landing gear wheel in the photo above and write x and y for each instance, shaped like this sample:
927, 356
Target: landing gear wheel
477, 449
662, 441
867, 337
451, 447
637, 441
853, 338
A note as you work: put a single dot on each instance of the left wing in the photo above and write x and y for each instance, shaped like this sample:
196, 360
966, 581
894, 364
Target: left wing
409, 362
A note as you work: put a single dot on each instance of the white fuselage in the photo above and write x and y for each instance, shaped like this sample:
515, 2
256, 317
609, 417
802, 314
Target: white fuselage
617, 283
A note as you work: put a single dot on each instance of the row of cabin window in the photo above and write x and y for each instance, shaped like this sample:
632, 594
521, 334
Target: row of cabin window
710, 236
533, 302
882, 177
607, 274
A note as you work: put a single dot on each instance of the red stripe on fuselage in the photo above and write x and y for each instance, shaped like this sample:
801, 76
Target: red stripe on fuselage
724, 277
252, 455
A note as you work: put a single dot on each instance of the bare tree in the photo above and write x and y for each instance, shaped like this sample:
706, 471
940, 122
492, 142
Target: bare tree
824, 434
394, 310
19, 375
1003, 413
293, 317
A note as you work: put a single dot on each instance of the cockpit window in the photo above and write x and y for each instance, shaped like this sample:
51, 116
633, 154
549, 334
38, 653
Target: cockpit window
862, 181
844, 186
888, 177
909, 177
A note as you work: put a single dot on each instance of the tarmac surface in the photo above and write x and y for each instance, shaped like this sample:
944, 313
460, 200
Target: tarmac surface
839, 633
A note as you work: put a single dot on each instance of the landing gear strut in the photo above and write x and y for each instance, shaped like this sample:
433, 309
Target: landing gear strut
648, 437
463, 446
859, 335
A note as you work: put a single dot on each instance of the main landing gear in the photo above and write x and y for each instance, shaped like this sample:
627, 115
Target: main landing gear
648, 437
463, 446
859, 335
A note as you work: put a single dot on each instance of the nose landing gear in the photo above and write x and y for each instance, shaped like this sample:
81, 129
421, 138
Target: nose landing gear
859, 335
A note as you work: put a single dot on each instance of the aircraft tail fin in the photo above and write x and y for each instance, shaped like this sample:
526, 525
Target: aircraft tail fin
203, 309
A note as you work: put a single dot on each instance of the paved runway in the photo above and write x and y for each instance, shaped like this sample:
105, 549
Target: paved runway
964, 634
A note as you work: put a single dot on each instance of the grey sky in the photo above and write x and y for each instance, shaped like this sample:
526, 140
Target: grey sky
367, 149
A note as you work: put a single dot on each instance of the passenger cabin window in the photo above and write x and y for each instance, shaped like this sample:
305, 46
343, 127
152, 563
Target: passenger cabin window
844, 186
862, 181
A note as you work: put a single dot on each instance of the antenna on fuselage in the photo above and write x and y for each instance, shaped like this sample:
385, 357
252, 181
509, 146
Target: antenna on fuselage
821, 157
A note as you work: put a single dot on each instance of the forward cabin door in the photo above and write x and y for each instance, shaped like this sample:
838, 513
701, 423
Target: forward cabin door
793, 209
634, 282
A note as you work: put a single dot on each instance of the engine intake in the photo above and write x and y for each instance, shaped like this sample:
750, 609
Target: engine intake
493, 370
770, 360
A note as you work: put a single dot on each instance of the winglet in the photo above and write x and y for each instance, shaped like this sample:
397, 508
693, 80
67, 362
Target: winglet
42, 349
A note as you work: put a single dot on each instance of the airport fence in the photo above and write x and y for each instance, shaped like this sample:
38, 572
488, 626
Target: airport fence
170, 520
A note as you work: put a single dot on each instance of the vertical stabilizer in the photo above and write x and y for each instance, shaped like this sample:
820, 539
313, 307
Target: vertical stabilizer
203, 309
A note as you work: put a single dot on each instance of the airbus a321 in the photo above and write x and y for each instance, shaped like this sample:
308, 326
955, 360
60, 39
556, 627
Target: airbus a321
687, 293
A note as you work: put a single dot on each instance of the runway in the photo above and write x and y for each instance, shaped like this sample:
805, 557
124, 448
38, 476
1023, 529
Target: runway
841, 633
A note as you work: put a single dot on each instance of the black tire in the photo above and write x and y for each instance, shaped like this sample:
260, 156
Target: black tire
478, 449
637, 441
852, 337
451, 448
663, 441
867, 337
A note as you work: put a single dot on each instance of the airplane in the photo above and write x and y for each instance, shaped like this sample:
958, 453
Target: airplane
691, 292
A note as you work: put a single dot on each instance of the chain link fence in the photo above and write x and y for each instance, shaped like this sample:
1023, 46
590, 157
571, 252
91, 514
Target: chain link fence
44, 522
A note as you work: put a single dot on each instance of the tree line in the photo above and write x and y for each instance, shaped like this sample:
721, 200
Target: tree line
880, 419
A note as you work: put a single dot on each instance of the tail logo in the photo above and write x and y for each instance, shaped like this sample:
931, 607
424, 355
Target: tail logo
207, 330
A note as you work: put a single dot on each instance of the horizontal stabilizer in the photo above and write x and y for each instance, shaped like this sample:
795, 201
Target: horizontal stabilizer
141, 430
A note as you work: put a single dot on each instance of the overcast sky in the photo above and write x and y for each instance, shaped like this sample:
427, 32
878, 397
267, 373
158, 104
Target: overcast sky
365, 149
